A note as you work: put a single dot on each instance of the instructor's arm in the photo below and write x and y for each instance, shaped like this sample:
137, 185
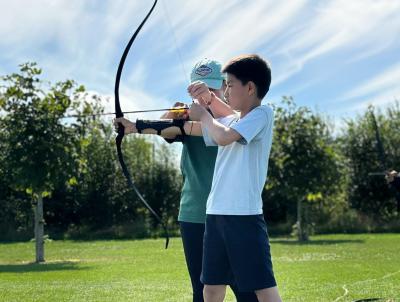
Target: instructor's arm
191, 128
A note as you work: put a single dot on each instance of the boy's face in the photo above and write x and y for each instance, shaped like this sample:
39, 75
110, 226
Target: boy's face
236, 93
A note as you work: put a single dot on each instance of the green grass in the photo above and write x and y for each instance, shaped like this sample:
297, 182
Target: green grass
328, 268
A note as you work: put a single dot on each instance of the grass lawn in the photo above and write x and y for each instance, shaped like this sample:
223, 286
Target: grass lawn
328, 268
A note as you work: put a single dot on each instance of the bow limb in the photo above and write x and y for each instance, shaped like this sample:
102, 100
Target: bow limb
121, 129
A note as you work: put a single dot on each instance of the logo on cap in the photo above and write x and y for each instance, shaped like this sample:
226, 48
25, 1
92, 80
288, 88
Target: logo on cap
203, 70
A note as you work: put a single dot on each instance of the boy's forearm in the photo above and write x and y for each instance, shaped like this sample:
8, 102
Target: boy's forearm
219, 108
221, 134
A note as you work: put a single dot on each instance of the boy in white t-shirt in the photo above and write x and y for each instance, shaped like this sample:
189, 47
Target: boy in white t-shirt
236, 245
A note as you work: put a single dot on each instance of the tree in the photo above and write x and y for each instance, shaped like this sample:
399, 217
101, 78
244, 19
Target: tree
368, 193
41, 150
303, 167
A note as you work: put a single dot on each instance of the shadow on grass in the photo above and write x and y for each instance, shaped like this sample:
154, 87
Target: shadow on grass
373, 299
40, 267
315, 242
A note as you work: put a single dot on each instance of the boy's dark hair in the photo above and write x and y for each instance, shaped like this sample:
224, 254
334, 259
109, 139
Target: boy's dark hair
253, 68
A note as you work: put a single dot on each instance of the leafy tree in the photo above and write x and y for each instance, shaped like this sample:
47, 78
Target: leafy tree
304, 172
40, 149
53, 148
369, 193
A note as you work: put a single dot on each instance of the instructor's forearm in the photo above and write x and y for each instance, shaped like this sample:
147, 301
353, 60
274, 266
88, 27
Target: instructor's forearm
191, 128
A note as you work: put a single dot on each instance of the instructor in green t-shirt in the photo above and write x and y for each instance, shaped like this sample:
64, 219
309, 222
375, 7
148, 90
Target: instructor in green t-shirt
197, 167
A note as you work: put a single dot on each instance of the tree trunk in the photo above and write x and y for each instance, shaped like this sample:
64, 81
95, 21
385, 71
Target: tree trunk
39, 230
299, 222
306, 223
302, 230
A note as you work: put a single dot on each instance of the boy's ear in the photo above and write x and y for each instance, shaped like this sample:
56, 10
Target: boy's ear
252, 88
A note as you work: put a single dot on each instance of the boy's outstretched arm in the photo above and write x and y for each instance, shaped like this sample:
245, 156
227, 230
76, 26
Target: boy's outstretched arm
221, 134
191, 128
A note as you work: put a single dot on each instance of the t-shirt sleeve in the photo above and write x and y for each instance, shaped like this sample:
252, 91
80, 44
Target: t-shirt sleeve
208, 140
253, 124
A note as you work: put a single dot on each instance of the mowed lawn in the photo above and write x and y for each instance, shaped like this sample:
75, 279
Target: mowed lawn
328, 268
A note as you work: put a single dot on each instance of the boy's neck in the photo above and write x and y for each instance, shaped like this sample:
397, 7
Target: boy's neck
250, 105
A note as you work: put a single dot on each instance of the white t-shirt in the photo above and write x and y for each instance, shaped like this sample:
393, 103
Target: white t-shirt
241, 168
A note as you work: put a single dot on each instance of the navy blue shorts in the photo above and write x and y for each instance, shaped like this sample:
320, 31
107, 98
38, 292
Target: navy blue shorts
236, 251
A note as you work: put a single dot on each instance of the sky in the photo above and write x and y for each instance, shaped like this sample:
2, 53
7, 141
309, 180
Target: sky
336, 57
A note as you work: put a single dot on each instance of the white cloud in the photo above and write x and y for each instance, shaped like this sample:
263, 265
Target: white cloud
84, 40
235, 30
383, 84
382, 99
340, 27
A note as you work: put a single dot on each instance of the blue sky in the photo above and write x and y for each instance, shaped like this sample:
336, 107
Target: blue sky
333, 56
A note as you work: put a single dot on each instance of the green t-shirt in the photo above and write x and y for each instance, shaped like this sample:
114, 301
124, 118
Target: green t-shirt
197, 166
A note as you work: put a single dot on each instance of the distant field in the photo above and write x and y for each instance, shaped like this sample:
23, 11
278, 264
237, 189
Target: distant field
328, 268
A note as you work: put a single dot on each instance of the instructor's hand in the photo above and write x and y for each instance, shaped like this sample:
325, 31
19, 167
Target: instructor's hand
181, 114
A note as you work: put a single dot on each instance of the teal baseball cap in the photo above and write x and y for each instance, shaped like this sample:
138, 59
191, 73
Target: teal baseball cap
209, 72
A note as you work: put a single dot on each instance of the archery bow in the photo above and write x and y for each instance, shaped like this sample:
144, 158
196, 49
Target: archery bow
121, 129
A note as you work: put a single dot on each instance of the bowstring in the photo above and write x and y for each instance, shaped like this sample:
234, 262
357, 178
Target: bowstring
175, 41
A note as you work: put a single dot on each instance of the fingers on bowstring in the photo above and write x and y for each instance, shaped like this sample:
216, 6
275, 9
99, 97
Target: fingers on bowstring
179, 104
